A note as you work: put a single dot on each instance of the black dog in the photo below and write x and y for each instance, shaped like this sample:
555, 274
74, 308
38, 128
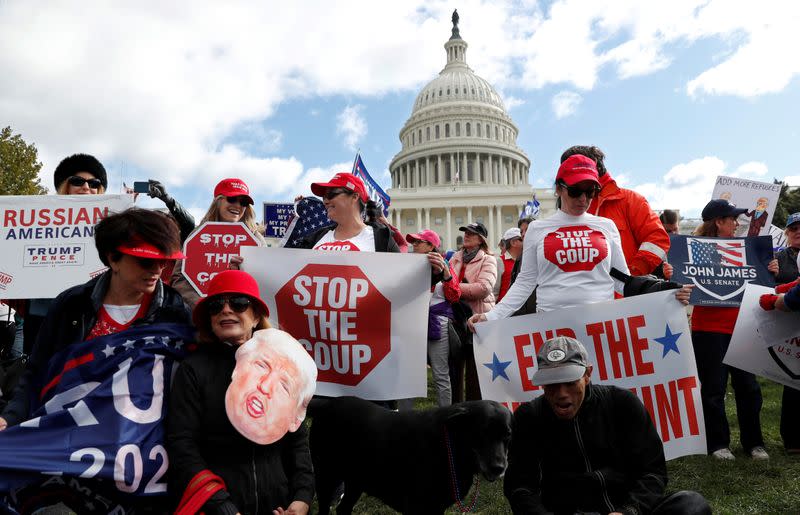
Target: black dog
403, 458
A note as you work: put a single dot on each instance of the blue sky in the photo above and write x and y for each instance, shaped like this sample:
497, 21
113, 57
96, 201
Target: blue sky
283, 93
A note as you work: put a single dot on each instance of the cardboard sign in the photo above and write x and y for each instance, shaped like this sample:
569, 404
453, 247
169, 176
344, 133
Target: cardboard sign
642, 344
720, 268
47, 242
766, 343
277, 216
362, 316
760, 198
209, 249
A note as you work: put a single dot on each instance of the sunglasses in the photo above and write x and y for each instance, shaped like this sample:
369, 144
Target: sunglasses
80, 181
241, 200
332, 194
238, 303
150, 263
576, 192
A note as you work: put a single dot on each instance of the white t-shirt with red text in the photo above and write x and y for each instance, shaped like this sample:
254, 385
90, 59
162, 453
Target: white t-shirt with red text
569, 258
362, 242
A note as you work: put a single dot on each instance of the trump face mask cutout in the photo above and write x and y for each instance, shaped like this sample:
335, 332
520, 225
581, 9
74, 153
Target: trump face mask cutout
271, 386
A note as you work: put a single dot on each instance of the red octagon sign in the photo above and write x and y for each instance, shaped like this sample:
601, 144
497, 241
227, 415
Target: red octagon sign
575, 249
340, 317
209, 249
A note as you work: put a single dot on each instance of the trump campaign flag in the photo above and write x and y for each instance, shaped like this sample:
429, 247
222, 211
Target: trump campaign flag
374, 191
642, 344
362, 316
98, 413
720, 268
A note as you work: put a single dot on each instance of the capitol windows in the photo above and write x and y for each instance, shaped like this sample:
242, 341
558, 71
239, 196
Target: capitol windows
437, 132
427, 133
458, 129
438, 221
412, 138
508, 219
473, 91
479, 219
496, 133
447, 130
448, 91
409, 221
419, 136
478, 129
488, 134
469, 129
440, 92
459, 220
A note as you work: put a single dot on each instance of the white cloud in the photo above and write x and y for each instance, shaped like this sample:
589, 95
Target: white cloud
351, 125
792, 180
565, 103
510, 102
688, 186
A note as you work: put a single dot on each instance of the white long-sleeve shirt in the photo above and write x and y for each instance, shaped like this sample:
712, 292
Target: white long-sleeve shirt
569, 258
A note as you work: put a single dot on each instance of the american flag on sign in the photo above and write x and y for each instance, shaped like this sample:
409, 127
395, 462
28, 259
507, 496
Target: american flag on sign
717, 252
310, 216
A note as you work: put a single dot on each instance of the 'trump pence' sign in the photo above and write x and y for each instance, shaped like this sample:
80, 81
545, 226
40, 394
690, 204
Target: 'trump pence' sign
365, 328
209, 249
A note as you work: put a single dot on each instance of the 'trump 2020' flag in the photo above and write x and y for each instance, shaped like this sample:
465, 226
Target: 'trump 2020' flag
100, 412
374, 191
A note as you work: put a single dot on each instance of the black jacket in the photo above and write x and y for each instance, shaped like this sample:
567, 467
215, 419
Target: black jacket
608, 458
69, 320
383, 238
787, 265
259, 478
184, 218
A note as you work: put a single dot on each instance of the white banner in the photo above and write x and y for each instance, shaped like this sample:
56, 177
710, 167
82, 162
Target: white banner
759, 198
766, 343
641, 343
47, 242
362, 316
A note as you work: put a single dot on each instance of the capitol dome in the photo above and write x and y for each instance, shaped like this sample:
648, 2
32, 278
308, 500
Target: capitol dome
459, 155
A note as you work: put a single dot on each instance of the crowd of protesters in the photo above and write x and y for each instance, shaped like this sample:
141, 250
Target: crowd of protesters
474, 284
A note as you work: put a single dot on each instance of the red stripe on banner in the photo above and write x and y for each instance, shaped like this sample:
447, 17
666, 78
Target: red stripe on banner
69, 365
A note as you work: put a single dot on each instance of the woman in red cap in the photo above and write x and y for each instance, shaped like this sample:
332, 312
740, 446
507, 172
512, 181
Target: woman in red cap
204, 447
354, 216
232, 203
136, 245
569, 257
445, 292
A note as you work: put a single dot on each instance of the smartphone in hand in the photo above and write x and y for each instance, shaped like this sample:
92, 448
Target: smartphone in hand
141, 187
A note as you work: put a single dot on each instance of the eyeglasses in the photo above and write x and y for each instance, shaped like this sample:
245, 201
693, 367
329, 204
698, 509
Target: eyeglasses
150, 263
238, 303
333, 193
576, 192
241, 200
78, 181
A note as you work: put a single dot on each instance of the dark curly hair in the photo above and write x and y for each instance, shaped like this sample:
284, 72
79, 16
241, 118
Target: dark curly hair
591, 152
151, 226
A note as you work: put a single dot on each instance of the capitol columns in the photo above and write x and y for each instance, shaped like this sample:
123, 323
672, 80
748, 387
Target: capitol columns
491, 223
419, 219
440, 178
465, 170
490, 177
469, 214
427, 218
449, 229
452, 168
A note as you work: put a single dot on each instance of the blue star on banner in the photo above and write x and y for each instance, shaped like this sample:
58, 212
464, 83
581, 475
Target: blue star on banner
498, 368
669, 341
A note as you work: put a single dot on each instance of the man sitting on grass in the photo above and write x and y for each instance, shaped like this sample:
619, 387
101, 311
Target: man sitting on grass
609, 459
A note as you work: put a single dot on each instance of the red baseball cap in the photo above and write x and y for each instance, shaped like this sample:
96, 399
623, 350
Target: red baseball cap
229, 281
233, 188
341, 180
140, 248
426, 235
577, 168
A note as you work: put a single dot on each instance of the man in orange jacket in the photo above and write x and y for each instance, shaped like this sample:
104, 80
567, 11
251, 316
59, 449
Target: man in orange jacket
644, 240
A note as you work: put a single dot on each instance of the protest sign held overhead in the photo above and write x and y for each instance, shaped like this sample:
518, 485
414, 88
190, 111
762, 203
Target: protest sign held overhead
277, 216
765, 343
209, 249
360, 323
720, 268
759, 198
47, 242
642, 344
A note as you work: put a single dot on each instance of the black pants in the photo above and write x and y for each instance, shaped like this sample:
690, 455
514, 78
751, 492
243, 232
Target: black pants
709, 350
685, 502
790, 418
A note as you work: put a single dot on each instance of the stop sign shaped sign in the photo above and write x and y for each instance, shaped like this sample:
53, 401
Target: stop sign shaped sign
208, 251
575, 248
340, 317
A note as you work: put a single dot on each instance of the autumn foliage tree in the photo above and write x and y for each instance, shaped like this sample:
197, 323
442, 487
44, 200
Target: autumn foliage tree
19, 166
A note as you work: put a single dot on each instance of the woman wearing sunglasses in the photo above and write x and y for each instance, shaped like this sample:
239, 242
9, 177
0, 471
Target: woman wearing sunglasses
136, 245
232, 203
569, 256
200, 438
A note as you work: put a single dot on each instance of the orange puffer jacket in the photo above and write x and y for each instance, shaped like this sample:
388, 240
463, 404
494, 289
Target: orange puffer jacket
645, 243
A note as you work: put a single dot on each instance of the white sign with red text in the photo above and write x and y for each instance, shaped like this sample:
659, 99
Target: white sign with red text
642, 344
765, 343
362, 316
47, 241
209, 249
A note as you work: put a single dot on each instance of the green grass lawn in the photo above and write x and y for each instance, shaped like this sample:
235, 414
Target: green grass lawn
741, 486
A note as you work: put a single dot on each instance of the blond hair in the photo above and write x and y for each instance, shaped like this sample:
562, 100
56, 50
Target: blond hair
708, 228
64, 186
212, 215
